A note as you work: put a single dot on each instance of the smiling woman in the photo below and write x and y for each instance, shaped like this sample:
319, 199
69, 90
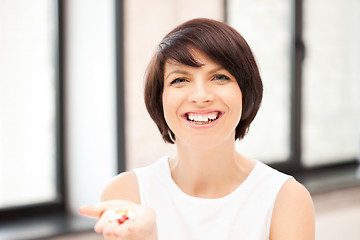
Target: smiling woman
203, 89
225, 48
205, 96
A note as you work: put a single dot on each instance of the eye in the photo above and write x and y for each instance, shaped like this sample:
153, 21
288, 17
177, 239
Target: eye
177, 81
221, 77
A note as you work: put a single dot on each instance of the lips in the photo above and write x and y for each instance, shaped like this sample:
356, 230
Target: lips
202, 118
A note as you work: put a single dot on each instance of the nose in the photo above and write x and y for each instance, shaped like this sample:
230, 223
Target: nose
201, 94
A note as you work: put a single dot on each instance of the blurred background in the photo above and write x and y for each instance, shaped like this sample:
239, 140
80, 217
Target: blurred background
72, 114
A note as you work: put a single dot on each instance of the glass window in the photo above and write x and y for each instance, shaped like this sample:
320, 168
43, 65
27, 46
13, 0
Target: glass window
27, 102
331, 81
266, 26
329, 84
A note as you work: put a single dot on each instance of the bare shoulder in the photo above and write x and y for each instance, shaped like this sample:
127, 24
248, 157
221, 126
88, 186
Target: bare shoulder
122, 187
293, 214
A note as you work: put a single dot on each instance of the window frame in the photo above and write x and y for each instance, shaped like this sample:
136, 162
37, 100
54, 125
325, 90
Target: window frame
120, 85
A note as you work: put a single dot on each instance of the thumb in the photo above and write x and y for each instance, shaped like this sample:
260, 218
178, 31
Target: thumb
92, 211
97, 210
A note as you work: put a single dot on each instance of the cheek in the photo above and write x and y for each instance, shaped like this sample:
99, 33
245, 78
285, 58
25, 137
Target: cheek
235, 99
165, 105
239, 98
169, 106
239, 101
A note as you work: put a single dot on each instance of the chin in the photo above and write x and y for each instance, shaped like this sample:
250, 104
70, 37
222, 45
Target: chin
207, 143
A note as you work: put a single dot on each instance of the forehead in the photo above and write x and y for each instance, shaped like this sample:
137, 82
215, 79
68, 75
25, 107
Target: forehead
201, 59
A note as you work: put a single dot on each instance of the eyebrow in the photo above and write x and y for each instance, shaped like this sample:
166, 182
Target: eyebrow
179, 71
217, 69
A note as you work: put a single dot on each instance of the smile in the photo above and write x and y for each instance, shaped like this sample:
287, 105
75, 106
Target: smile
202, 118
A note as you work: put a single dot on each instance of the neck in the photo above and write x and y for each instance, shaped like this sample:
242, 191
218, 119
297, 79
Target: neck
209, 172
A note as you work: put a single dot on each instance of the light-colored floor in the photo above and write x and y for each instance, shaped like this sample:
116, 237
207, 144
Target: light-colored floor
337, 217
83, 236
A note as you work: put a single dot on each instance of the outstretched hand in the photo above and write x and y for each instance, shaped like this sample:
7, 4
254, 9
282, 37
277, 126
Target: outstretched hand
142, 226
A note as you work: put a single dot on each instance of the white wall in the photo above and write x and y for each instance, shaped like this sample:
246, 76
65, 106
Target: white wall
90, 99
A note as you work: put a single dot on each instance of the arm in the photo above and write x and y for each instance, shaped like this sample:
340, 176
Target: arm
293, 214
123, 191
124, 187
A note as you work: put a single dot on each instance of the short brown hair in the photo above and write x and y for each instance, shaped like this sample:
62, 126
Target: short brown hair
225, 46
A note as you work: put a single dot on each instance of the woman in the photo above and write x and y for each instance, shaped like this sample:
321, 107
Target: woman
203, 89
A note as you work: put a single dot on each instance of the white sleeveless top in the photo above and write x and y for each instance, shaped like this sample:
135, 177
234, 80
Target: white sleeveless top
243, 214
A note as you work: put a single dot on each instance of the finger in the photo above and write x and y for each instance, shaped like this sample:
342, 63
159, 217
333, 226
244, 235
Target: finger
110, 228
115, 229
101, 224
91, 211
145, 222
124, 229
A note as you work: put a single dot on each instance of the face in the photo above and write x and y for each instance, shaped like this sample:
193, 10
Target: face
202, 105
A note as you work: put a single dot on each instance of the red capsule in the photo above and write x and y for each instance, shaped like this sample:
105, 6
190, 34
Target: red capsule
123, 219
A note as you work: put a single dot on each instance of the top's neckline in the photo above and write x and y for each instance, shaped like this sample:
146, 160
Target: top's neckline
186, 196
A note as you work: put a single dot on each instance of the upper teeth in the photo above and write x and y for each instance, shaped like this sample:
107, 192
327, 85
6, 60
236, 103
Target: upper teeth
202, 117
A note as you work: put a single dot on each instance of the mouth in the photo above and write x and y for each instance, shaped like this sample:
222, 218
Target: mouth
202, 118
